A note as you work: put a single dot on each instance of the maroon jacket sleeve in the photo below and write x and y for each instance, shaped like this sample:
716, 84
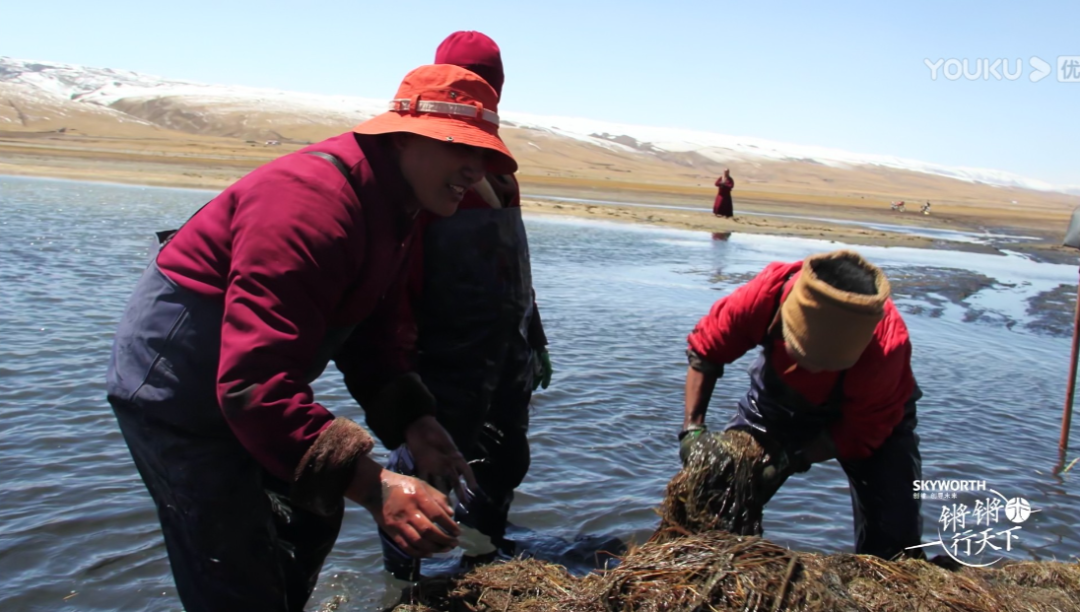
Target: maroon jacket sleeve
880, 384
737, 323
375, 360
296, 243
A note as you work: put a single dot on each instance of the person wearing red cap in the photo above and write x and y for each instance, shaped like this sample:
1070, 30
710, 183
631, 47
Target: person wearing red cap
474, 51
723, 206
244, 306
833, 380
479, 342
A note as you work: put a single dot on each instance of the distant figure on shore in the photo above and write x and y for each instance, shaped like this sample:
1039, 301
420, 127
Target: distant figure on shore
898, 206
722, 206
925, 208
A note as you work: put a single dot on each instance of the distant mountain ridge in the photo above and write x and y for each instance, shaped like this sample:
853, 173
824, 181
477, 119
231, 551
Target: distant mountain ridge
41, 94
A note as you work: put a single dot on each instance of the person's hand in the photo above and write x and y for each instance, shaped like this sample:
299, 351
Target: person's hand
779, 465
775, 473
688, 439
417, 517
821, 448
437, 458
542, 376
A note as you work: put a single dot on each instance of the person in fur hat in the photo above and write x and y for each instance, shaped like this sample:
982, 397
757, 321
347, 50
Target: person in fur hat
833, 380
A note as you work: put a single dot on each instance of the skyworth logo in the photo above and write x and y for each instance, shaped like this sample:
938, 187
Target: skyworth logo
968, 526
949, 485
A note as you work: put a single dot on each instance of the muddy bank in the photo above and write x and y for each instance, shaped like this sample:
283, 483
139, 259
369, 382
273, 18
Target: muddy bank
1052, 311
845, 225
930, 291
214, 163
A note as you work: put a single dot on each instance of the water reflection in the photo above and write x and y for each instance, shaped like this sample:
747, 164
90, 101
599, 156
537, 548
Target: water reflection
618, 302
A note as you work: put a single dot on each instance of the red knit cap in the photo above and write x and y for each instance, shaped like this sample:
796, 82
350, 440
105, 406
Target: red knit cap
475, 52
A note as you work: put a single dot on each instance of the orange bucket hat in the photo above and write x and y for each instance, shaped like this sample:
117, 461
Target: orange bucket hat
447, 103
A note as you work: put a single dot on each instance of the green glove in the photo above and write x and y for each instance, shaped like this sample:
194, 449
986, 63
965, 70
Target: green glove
688, 438
542, 377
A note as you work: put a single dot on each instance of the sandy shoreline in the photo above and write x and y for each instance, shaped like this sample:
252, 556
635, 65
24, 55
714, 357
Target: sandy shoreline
1037, 243
742, 223
845, 220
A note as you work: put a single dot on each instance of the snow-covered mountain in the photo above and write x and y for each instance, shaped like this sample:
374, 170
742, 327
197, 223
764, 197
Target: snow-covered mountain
234, 111
723, 148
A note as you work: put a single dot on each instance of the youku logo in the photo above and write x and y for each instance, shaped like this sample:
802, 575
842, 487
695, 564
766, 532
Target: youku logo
970, 533
1004, 69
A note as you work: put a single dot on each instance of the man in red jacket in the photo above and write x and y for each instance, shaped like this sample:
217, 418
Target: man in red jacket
833, 380
244, 307
481, 348
723, 206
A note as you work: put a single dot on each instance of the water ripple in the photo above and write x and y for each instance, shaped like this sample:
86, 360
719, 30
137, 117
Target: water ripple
78, 531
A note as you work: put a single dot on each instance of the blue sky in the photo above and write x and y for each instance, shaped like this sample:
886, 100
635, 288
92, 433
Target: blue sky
844, 75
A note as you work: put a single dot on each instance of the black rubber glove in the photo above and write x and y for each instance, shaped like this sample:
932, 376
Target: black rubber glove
779, 465
688, 438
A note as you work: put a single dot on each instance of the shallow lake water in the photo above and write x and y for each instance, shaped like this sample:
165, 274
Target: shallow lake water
78, 530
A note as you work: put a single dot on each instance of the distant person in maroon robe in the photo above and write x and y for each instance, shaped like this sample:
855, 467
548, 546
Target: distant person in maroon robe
722, 206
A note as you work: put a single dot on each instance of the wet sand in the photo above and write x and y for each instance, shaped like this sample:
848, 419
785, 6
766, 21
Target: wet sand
836, 223
213, 163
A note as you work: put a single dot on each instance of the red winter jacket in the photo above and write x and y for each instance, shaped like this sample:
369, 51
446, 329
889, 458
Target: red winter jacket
294, 253
875, 388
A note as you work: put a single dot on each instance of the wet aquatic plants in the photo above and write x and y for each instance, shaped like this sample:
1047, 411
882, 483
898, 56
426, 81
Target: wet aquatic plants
695, 562
718, 489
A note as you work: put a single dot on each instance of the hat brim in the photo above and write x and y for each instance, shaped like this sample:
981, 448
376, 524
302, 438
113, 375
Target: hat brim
445, 129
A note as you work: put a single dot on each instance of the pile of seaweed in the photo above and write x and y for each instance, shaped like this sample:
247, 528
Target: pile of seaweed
700, 559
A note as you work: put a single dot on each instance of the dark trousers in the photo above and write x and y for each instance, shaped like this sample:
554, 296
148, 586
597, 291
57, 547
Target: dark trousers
887, 516
234, 541
489, 423
490, 429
